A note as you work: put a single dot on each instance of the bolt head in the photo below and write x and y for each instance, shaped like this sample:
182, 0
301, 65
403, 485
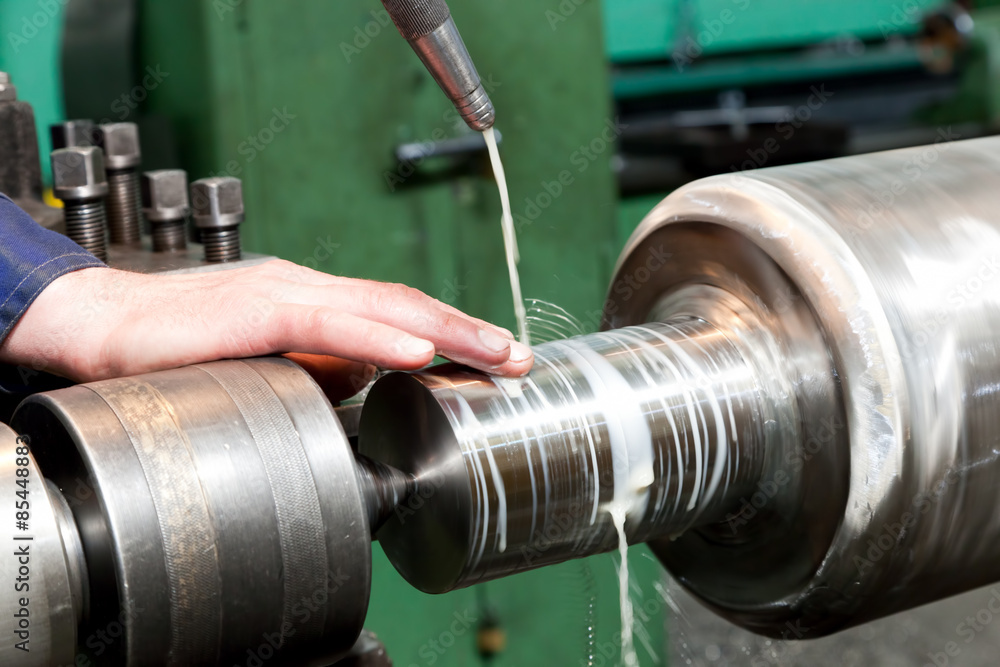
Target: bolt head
120, 142
78, 173
80, 132
217, 202
165, 195
8, 93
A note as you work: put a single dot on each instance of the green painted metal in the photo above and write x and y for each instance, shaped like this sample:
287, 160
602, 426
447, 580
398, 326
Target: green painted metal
29, 52
654, 29
759, 69
305, 100
978, 97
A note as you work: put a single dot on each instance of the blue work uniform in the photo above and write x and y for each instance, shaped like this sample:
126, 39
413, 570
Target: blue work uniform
31, 257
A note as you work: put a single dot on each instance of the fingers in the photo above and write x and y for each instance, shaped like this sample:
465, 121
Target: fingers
323, 330
413, 325
338, 378
454, 335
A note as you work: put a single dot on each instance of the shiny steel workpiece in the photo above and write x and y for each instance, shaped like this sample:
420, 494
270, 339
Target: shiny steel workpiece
535, 465
44, 602
218, 506
861, 342
428, 27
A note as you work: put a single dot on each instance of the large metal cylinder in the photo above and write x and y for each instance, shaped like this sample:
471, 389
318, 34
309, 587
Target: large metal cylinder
861, 294
219, 513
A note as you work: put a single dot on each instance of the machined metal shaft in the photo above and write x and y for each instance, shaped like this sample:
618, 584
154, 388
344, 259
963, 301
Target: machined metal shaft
662, 424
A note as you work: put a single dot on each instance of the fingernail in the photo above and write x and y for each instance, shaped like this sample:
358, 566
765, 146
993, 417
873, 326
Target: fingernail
503, 332
417, 347
494, 342
519, 352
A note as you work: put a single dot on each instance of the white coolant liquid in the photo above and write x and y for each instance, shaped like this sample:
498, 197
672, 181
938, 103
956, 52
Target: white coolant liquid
509, 237
629, 656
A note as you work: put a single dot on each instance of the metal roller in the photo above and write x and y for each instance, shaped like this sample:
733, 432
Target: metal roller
807, 359
220, 515
43, 594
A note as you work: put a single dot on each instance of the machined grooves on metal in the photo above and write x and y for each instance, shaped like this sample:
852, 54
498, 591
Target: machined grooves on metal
85, 224
169, 235
123, 203
221, 245
301, 530
186, 525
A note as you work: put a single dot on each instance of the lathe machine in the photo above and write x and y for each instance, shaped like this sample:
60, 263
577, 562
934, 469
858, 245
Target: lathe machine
794, 399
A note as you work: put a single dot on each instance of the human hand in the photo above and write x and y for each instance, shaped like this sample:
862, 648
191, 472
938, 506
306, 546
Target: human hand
99, 323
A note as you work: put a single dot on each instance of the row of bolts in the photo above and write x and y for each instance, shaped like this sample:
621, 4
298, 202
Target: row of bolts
95, 171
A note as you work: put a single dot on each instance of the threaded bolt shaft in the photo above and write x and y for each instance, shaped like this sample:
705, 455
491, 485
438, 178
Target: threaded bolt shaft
85, 223
169, 235
221, 244
124, 206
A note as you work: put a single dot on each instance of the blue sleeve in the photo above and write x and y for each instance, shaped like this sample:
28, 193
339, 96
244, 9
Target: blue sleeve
31, 257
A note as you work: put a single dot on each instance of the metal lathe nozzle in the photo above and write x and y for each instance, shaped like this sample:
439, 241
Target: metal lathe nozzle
428, 27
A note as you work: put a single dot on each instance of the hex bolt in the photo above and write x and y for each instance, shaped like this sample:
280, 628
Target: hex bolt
217, 204
120, 142
165, 203
81, 183
8, 93
79, 132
